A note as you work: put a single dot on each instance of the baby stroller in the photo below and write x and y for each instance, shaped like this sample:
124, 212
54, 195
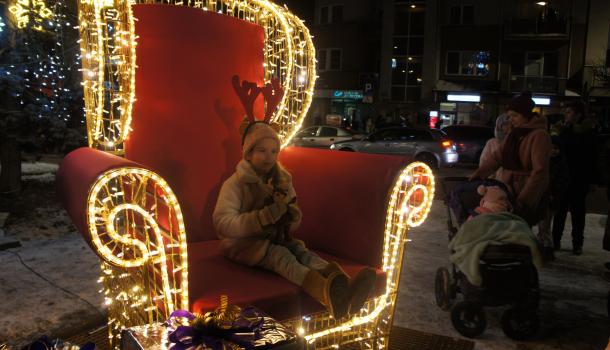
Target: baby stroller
508, 274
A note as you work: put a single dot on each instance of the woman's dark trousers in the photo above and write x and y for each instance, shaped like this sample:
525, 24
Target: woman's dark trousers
573, 201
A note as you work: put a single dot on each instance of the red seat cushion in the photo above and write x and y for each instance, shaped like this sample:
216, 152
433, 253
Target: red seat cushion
211, 275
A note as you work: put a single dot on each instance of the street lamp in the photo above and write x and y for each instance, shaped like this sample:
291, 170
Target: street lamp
541, 3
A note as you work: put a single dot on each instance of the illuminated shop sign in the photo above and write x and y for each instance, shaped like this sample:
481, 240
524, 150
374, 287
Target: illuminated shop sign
348, 94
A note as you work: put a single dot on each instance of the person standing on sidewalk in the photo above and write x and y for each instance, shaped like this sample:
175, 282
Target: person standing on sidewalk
524, 159
559, 179
577, 135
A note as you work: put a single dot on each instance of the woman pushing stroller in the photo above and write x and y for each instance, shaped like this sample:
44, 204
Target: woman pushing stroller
524, 157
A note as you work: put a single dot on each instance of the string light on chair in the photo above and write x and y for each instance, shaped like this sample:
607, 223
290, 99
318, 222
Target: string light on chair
107, 30
124, 224
409, 205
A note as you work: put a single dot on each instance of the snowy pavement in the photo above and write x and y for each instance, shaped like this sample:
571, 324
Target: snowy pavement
573, 293
61, 296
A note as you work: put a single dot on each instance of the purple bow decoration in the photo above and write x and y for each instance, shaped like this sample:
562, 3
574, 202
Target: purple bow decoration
243, 329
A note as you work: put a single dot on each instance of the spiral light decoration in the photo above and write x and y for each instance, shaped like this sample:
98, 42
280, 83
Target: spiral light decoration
409, 204
137, 228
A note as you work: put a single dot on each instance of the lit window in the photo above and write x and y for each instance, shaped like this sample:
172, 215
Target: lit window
335, 59
467, 63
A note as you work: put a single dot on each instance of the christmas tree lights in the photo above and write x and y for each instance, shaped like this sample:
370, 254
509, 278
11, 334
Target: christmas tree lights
26, 11
42, 71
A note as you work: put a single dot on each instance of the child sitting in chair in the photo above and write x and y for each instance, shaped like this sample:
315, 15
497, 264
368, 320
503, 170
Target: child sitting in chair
257, 211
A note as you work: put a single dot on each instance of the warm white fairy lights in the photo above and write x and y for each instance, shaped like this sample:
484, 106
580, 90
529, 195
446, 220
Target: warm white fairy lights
26, 11
409, 205
44, 66
107, 30
108, 53
123, 220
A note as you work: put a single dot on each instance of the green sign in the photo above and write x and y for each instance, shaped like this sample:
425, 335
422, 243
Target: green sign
348, 94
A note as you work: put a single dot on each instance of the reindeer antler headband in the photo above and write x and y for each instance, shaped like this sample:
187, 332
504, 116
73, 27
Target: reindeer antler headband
249, 91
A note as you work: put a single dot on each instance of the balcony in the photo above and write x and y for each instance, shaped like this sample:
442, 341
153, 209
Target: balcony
525, 28
534, 84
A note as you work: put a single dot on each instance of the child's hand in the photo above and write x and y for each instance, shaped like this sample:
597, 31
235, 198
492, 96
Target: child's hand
281, 198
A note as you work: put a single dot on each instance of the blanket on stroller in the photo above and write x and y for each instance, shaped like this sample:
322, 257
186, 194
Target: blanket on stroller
496, 228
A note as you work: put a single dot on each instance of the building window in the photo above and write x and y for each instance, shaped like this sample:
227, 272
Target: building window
461, 14
322, 60
408, 49
335, 59
467, 63
406, 79
409, 20
329, 59
337, 14
324, 15
534, 64
397, 93
331, 14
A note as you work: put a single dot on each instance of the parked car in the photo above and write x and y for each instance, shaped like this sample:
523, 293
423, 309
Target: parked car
322, 136
470, 140
426, 145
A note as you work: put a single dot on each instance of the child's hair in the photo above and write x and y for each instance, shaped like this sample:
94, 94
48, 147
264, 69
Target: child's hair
248, 128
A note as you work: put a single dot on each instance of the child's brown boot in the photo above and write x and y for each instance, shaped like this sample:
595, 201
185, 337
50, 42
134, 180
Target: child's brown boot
331, 291
359, 287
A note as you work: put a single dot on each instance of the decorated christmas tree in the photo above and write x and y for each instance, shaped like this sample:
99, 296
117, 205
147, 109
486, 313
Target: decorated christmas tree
41, 108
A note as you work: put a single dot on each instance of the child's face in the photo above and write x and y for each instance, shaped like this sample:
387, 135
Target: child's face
263, 156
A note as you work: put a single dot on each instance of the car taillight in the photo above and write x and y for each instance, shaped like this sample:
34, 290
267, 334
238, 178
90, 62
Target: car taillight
446, 144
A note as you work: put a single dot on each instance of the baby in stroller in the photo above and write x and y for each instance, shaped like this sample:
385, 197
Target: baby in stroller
494, 256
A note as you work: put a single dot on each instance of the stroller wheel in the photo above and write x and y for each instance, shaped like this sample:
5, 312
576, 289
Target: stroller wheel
468, 319
519, 324
443, 289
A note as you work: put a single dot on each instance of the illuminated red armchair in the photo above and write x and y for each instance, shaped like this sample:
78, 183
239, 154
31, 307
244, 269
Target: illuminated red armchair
143, 193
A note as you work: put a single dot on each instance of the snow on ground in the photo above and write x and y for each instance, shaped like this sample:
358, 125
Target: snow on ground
573, 293
32, 306
38, 168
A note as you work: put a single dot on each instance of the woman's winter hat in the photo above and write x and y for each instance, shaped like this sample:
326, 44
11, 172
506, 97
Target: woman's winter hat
256, 132
522, 104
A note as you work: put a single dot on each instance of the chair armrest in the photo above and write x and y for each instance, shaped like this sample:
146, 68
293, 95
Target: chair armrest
131, 218
345, 198
360, 207
75, 177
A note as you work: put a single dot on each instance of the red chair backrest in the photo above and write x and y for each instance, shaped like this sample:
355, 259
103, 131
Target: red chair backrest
344, 198
186, 115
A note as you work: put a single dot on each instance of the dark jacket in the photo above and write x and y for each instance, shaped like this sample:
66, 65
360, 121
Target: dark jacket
578, 145
559, 179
